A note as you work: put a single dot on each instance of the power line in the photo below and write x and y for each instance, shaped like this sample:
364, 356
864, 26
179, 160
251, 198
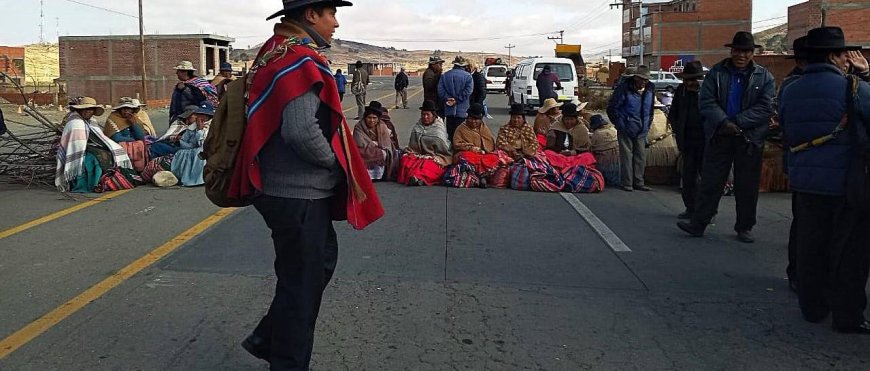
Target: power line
103, 9
491, 38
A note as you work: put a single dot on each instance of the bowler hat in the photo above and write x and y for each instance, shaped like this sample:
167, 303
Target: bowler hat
743, 41
693, 70
597, 121
517, 109
828, 38
374, 107
298, 4
570, 110
800, 48
475, 111
428, 106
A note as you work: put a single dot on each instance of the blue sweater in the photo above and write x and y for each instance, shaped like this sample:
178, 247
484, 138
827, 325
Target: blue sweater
812, 106
457, 84
341, 82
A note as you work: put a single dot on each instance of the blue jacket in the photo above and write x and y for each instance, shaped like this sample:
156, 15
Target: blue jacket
630, 112
756, 106
341, 81
812, 106
457, 84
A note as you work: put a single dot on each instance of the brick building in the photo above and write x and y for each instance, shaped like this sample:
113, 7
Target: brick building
849, 15
681, 31
109, 67
11, 62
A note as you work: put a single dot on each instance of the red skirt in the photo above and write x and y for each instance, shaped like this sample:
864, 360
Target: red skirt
425, 170
562, 162
483, 163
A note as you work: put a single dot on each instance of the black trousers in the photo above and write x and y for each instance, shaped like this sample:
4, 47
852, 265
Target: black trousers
791, 269
693, 163
306, 252
453, 123
719, 156
833, 259
341, 97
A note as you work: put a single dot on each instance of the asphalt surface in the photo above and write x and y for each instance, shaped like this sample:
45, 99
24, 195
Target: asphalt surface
448, 280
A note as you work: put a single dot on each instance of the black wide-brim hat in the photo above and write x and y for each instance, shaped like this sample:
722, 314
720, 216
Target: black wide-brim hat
297, 4
517, 109
743, 41
828, 38
693, 70
428, 106
800, 48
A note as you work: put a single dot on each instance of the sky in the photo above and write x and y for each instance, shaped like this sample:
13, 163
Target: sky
455, 25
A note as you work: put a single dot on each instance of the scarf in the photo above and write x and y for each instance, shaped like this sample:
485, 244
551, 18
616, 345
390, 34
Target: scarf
173, 134
518, 138
207, 89
431, 141
117, 123
365, 139
288, 66
73, 145
146, 123
466, 138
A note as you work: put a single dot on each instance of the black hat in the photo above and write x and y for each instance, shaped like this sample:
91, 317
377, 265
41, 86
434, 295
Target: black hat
828, 38
570, 110
596, 122
475, 111
517, 109
428, 106
298, 4
799, 47
378, 105
378, 111
743, 41
693, 70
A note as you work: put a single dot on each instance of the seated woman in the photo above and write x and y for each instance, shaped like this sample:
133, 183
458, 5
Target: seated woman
547, 115
125, 128
186, 164
84, 152
372, 137
517, 138
168, 143
428, 153
386, 120
474, 144
568, 141
605, 148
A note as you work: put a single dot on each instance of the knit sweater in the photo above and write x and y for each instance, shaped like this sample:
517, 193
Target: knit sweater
298, 162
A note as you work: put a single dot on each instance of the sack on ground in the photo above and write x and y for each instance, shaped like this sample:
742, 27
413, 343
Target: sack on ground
461, 175
500, 178
113, 180
582, 179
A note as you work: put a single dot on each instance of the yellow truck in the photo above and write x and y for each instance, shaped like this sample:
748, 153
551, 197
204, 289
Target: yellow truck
573, 52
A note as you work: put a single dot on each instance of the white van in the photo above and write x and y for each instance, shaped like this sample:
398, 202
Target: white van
495, 75
525, 90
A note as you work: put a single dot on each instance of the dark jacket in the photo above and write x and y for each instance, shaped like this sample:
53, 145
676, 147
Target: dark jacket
812, 106
457, 84
545, 85
685, 117
631, 112
430, 85
183, 97
401, 81
757, 103
341, 82
479, 94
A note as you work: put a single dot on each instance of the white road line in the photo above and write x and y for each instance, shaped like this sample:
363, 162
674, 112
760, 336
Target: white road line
603, 231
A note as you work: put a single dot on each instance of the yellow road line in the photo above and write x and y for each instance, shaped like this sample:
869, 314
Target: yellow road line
60, 214
386, 96
49, 320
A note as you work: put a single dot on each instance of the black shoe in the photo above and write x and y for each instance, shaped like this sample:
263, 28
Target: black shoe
642, 188
628, 189
745, 236
862, 329
691, 229
686, 215
257, 346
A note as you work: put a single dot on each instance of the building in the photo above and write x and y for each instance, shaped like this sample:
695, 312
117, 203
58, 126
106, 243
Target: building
377, 68
11, 63
109, 67
848, 15
681, 31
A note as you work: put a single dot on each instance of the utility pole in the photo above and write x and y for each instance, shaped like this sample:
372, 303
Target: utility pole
41, 22
510, 59
561, 37
142, 48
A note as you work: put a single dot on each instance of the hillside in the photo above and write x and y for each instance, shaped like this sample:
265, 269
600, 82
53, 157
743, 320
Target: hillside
344, 52
774, 39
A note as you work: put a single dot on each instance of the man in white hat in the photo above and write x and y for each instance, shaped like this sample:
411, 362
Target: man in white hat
191, 90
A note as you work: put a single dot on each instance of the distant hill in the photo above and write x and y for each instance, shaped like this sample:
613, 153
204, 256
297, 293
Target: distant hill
774, 39
344, 52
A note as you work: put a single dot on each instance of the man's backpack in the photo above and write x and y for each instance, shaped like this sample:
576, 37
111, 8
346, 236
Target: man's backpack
223, 142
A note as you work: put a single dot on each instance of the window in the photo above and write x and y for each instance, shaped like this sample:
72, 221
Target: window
564, 71
522, 73
496, 72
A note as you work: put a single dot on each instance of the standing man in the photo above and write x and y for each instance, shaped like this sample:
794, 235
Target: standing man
297, 157
223, 78
341, 82
545, 83
431, 78
833, 253
358, 87
454, 91
685, 118
737, 105
631, 111
401, 86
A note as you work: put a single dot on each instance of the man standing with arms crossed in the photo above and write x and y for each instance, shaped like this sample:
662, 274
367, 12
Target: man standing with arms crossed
299, 165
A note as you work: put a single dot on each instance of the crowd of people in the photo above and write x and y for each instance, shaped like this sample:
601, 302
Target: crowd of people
126, 151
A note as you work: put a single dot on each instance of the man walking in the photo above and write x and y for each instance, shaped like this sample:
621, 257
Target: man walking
359, 86
454, 91
431, 78
833, 257
685, 119
546, 82
401, 85
305, 173
737, 105
631, 111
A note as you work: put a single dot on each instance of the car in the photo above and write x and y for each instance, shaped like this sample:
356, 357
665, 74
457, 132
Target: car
665, 80
524, 88
495, 78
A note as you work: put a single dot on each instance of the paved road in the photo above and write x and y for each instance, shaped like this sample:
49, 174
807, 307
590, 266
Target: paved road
449, 279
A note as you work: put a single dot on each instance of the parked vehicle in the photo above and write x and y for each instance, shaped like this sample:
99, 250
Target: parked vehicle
665, 80
524, 87
495, 78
